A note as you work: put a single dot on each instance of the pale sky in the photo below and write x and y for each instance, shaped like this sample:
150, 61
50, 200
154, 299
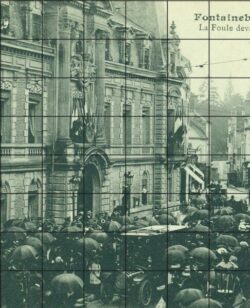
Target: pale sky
183, 13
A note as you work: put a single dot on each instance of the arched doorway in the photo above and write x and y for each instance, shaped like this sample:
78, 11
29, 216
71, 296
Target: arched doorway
89, 193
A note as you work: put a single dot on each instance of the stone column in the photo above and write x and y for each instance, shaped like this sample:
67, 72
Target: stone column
100, 85
64, 95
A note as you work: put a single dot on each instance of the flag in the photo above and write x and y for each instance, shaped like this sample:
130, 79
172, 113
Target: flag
180, 133
178, 119
74, 115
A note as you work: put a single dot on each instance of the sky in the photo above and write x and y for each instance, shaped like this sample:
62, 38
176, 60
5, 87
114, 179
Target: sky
229, 46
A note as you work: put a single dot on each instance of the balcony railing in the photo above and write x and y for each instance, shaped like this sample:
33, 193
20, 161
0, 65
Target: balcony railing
21, 150
134, 149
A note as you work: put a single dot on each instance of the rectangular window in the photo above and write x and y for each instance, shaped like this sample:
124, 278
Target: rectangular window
129, 95
107, 123
127, 53
33, 208
172, 63
4, 208
146, 125
5, 19
35, 122
147, 59
170, 131
36, 27
127, 125
5, 105
109, 92
107, 50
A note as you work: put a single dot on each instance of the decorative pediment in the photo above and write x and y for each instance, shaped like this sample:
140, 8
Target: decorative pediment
125, 32
35, 88
105, 5
6, 85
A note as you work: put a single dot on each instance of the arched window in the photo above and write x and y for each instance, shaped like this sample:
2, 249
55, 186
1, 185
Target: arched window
145, 187
34, 201
5, 203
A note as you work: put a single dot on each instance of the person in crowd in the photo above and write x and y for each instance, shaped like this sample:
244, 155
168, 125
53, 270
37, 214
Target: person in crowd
218, 187
144, 195
244, 301
61, 253
231, 202
243, 256
95, 278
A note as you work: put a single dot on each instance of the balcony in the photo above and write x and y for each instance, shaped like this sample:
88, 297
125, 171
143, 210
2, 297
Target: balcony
121, 150
21, 152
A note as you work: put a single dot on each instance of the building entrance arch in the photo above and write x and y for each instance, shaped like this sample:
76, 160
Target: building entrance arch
89, 193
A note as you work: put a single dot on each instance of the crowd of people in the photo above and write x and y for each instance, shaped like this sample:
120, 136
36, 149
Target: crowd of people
51, 265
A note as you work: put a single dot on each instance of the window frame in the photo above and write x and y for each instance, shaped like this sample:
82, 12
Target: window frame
34, 190
5, 105
5, 191
146, 138
127, 108
5, 7
35, 101
145, 182
36, 31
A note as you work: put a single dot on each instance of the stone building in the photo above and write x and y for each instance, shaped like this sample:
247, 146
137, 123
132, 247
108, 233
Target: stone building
199, 142
89, 107
238, 146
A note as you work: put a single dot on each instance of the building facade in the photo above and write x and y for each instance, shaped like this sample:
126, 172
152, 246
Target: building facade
238, 145
90, 102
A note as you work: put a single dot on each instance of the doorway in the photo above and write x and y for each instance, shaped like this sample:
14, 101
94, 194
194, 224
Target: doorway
89, 193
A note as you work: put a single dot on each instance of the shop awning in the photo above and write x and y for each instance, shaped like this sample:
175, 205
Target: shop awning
194, 176
196, 169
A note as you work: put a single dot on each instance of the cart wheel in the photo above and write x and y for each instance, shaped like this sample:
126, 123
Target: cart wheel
106, 292
145, 293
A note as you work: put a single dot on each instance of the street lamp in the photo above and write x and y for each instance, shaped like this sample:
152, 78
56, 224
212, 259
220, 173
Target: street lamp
127, 191
74, 181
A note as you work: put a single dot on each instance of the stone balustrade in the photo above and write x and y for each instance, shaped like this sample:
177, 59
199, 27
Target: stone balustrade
21, 150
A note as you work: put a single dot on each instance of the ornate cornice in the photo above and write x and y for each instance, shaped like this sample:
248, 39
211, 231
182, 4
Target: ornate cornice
27, 49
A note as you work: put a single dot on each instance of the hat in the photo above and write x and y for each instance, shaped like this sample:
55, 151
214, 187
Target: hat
175, 266
222, 251
244, 244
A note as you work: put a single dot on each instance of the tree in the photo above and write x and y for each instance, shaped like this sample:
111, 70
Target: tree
248, 94
228, 92
208, 93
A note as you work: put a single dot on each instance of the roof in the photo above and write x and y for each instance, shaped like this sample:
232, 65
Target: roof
123, 20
